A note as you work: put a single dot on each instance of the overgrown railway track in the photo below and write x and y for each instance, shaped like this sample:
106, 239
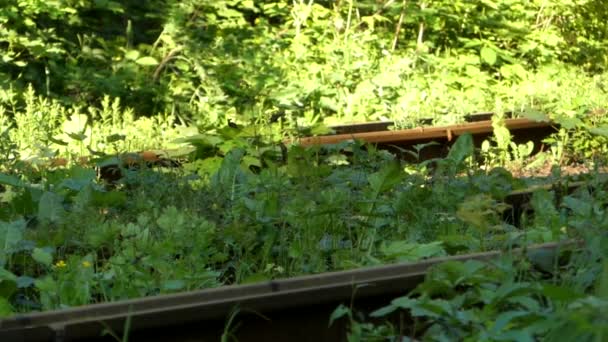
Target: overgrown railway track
522, 130
296, 309
293, 309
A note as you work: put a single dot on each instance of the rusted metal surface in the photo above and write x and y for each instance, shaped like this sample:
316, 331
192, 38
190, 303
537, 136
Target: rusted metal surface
522, 131
295, 309
423, 133
376, 126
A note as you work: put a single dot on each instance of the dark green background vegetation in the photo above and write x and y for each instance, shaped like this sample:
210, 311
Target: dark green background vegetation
208, 61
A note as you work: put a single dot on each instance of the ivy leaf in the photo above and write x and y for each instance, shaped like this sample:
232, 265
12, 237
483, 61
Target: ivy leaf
488, 55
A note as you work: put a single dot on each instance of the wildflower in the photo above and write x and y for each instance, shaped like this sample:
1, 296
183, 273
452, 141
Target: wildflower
60, 264
86, 264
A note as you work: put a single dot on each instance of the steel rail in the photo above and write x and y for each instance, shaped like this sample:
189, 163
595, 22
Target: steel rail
447, 133
288, 303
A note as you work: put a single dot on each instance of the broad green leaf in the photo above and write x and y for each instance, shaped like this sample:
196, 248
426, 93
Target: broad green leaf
10, 180
462, 149
601, 130
132, 55
146, 61
535, 115
505, 318
6, 275
6, 309
108, 198
431, 308
174, 285
76, 126
339, 312
50, 207
389, 176
405, 251
42, 256
11, 233
8, 283
560, 293
578, 206
567, 121
544, 259
25, 282
488, 55
384, 311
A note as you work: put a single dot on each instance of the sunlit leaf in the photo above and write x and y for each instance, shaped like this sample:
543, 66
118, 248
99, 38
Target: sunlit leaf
488, 55
146, 61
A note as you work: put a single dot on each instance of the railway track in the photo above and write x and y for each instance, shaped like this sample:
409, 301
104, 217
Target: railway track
295, 309
480, 127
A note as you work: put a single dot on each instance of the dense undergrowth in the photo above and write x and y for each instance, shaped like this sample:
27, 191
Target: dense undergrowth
221, 83
304, 62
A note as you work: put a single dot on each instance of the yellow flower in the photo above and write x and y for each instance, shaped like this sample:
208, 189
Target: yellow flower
86, 264
60, 264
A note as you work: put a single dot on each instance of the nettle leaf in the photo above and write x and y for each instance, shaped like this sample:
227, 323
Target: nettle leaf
396, 304
433, 308
339, 312
505, 318
385, 179
462, 149
488, 55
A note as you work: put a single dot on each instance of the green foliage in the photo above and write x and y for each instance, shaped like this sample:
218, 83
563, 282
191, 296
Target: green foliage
303, 62
225, 80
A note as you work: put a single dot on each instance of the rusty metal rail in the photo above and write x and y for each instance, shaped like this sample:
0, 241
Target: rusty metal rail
424, 133
522, 130
295, 309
